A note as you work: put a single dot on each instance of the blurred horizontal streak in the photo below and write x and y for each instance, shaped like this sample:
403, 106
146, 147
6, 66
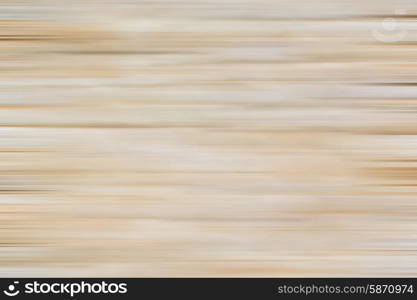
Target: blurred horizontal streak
208, 138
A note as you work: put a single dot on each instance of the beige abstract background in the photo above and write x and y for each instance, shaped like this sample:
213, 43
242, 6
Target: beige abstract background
208, 138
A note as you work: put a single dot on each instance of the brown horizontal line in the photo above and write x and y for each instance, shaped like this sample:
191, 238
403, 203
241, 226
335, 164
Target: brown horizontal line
21, 39
126, 52
8, 191
23, 151
385, 132
107, 126
369, 98
399, 184
7, 37
12, 244
390, 83
394, 160
134, 172
398, 17
318, 18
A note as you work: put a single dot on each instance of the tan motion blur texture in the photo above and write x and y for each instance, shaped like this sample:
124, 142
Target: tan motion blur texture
208, 138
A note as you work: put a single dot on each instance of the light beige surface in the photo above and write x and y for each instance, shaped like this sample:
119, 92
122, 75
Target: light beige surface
208, 138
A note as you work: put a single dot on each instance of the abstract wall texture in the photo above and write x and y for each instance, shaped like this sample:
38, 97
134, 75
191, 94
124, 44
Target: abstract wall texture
208, 138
